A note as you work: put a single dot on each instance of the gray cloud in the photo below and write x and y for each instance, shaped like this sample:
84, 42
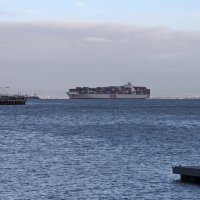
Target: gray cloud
97, 39
56, 56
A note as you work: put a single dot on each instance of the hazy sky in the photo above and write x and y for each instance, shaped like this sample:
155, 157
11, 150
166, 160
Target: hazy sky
48, 46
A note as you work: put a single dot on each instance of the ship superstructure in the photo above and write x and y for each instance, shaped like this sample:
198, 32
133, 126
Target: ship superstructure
127, 91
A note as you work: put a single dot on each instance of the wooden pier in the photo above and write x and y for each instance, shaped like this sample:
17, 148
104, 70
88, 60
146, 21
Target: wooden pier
188, 173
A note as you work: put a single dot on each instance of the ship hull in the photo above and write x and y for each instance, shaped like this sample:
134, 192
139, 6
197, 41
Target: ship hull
108, 96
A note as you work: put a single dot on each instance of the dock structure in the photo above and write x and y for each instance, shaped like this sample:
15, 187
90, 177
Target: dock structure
9, 99
12, 100
188, 173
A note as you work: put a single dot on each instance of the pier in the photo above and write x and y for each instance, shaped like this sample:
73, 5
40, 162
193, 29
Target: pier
188, 173
9, 99
12, 100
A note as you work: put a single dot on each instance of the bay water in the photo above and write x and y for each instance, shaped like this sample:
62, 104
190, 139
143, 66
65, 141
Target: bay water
98, 149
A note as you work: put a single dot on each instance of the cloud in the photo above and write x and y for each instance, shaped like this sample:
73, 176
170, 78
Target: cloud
57, 56
97, 39
80, 4
11, 13
14, 13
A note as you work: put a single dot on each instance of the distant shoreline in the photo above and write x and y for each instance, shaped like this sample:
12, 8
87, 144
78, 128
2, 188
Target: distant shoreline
151, 98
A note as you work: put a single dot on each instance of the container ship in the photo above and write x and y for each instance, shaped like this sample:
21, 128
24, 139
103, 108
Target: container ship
127, 91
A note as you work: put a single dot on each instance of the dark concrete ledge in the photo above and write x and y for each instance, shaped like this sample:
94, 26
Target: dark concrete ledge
188, 173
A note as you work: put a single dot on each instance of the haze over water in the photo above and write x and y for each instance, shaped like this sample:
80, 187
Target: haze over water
48, 47
98, 149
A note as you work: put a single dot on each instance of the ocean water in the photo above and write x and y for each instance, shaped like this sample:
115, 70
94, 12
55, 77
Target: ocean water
98, 149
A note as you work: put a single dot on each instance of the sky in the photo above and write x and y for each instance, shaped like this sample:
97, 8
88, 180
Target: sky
49, 46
